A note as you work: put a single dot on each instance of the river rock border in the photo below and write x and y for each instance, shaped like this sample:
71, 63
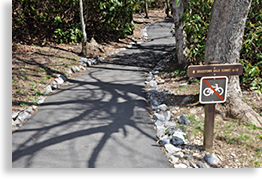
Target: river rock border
177, 149
20, 116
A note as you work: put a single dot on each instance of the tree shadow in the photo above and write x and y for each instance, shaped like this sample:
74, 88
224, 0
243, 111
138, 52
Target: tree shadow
118, 109
92, 108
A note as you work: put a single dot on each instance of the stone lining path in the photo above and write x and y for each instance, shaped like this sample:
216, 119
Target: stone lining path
100, 119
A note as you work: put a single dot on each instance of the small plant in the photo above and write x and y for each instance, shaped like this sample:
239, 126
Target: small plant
20, 92
70, 35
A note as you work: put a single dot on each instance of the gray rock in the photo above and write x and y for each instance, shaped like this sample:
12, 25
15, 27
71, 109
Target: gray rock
171, 148
162, 116
170, 124
122, 49
193, 165
161, 81
189, 156
152, 84
201, 164
165, 140
179, 154
59, 80
129, 46
211, 159
180, 166
174, 159
82, 59
29, 110
74, 69
186, 99
14, 114
48, 90
40, 100
96, 57
183, 84
187, 163
23, 116
158, 124
55, 86
18, 123
83, 68
62, 77
162, 107
178, 138
149, 78
160, 131
183, 119
77, 68
69, 72
101, 59
155, 72
154, 102
13, 122
171, 130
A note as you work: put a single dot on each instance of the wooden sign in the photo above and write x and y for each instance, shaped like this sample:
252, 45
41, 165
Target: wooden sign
215, 70
213, 90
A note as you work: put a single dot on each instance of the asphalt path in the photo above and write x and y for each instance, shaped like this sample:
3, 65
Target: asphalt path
99, 120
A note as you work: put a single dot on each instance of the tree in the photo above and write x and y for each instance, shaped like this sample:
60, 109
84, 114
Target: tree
146, 9
84, 39
180, 35
224, 41
167, 8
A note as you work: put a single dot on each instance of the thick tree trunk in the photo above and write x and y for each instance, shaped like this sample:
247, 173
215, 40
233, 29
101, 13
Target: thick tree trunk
224, 41
146, 9
180, 35
84, 39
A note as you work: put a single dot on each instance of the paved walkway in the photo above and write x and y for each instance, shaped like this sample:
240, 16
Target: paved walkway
100, 119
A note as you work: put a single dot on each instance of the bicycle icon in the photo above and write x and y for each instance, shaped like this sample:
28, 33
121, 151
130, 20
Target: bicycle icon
208, 91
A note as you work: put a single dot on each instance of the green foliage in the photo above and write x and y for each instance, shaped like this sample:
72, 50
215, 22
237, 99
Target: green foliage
252, 75
251, 51
71, 35
197, 18
252, 41
59, 20
117, 16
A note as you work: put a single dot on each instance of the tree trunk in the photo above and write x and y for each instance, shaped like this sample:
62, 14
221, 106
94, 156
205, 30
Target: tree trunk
224, 41
146, 9
84, 39
180, 35
167, 8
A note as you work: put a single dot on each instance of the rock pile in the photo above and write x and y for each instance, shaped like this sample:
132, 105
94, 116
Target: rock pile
179, 152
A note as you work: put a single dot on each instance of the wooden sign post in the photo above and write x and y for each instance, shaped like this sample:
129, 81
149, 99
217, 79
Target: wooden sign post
213, 90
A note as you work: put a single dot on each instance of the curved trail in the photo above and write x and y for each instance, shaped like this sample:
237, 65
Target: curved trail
100, 119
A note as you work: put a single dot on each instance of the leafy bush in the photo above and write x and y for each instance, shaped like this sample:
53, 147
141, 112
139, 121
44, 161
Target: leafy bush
70, 35
59, 20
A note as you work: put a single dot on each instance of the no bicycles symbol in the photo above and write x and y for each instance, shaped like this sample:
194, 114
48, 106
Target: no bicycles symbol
213, 89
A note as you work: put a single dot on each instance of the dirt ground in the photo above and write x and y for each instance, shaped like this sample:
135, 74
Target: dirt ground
35, 67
